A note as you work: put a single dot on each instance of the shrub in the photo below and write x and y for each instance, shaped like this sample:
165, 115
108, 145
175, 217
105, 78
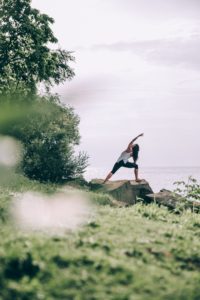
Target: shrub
189, 190
48, 131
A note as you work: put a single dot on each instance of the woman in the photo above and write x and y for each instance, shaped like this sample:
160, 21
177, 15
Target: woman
132, 150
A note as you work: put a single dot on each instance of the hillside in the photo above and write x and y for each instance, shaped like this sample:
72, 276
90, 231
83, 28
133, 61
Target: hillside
137, 252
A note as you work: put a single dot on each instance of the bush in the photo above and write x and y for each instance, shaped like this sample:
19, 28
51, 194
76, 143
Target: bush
49, 132
49, 145
189, 190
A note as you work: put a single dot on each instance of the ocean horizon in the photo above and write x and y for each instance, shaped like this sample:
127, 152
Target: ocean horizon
157, 177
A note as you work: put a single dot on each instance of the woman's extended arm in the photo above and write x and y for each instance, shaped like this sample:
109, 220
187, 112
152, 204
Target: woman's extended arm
130, 144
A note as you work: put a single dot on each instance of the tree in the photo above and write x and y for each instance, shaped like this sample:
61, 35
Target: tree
49, 142
25, 58
47, 129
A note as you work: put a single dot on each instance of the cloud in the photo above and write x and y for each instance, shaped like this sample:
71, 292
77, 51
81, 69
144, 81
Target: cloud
161, 8
87, 89
182, 52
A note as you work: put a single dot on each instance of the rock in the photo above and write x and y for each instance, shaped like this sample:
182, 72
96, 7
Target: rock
166, 198
122, 190
126, 192
173, 200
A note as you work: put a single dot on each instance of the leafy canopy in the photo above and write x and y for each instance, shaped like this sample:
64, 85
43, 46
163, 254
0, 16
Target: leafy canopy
25, 56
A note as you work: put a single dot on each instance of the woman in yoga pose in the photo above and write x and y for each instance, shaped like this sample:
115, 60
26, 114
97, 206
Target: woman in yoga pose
132, 150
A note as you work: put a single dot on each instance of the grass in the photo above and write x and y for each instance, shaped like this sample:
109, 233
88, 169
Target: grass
130, 253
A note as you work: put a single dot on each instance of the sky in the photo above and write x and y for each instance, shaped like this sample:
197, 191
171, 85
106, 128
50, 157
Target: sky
137, 71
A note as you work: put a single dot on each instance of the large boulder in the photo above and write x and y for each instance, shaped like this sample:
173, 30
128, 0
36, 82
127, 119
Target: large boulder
122, 190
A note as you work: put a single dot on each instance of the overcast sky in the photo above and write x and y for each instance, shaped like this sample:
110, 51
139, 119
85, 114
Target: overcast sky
137, 70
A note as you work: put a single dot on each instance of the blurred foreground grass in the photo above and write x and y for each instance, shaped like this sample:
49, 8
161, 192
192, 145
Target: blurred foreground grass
139, 252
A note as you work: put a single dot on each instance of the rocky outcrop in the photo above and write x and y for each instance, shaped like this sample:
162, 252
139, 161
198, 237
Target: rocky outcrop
122, 190
128, 192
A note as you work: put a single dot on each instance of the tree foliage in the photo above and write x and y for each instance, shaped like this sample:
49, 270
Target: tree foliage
25, 58
47, 129
49, 141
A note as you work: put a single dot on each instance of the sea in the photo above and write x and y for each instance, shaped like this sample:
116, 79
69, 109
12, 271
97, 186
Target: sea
158, 177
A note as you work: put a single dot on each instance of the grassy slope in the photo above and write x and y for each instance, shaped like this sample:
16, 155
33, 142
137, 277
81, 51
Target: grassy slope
140, 252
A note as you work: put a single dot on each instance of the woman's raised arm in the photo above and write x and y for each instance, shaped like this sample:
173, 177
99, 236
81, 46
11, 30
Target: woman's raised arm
130, 144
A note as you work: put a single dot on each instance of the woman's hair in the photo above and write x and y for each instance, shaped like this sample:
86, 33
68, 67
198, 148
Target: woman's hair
136, 149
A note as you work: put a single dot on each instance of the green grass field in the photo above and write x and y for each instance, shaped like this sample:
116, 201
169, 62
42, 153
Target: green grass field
139, 252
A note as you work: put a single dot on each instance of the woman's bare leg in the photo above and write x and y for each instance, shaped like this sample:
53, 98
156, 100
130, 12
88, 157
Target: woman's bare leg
136, 176
108, 177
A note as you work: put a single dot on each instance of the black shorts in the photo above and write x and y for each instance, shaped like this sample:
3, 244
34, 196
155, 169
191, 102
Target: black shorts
121, 163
